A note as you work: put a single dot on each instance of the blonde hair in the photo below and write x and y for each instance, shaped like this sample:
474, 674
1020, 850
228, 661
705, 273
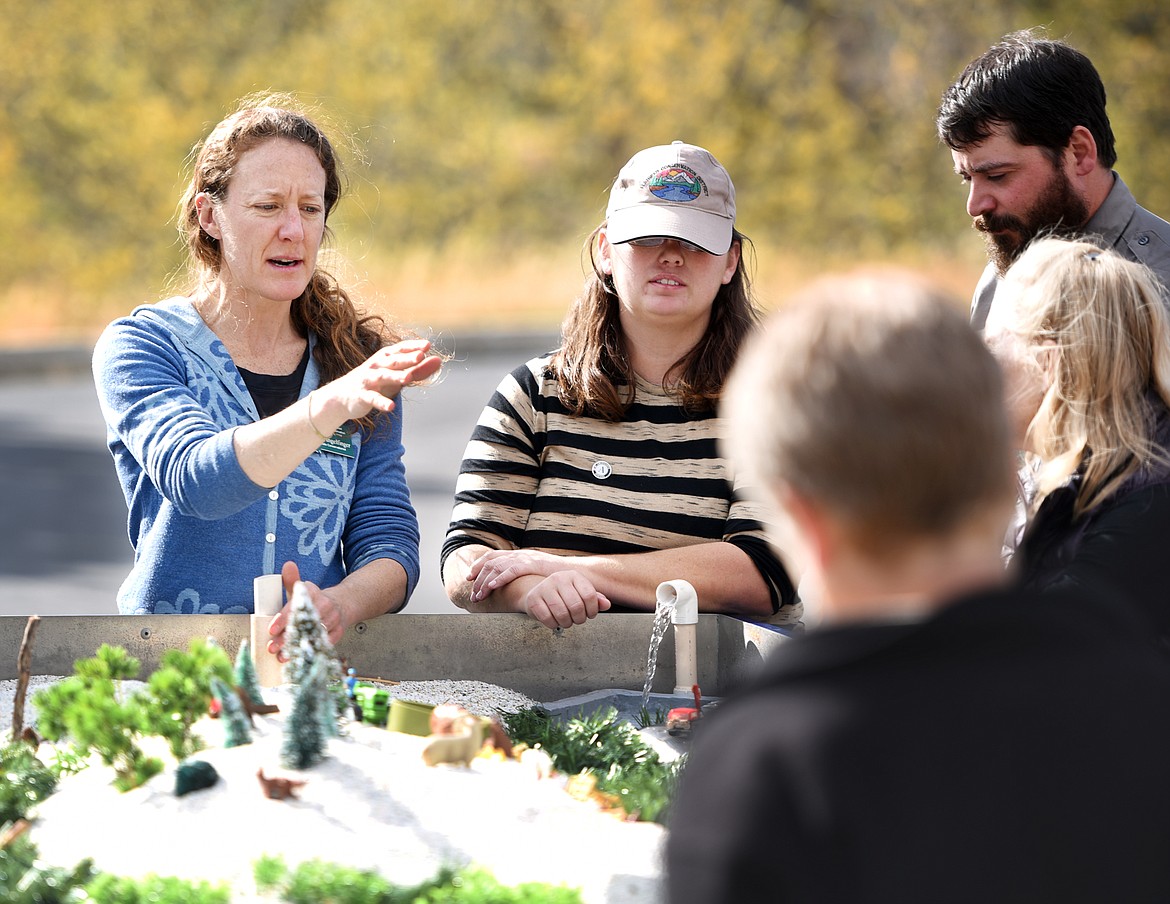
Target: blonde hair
871, 395
1098, 326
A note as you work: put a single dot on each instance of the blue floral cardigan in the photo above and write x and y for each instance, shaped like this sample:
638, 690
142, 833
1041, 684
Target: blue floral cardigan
201, 529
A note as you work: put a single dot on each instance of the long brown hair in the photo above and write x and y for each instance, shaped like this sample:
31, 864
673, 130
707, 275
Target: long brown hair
345, 336
593, 368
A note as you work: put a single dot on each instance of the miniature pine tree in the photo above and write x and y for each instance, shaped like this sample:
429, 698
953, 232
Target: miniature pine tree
91, 711
236, 730
331, 706
303, 743
245, 672
324, 709
331, 713
305, 640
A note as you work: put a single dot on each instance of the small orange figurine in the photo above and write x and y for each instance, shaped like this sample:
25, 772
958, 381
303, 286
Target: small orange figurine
278, 788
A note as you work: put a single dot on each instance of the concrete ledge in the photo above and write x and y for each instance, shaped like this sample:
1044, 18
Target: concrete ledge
513, 651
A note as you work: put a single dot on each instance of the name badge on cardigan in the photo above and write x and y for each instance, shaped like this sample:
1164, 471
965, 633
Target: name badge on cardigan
340, 443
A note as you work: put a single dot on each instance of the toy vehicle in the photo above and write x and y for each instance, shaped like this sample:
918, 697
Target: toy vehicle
374, 703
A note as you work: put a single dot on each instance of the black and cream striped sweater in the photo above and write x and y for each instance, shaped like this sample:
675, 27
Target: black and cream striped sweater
536, 476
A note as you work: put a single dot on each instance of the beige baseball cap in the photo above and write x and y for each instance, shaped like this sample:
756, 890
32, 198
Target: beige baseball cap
675, 190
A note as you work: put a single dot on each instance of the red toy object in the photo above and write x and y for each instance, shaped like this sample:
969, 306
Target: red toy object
679, 719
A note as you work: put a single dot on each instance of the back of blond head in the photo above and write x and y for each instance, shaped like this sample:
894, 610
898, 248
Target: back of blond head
1101, 324
872, 396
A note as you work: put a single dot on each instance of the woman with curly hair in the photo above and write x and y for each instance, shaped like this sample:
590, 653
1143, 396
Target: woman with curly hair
254, 421
594, 472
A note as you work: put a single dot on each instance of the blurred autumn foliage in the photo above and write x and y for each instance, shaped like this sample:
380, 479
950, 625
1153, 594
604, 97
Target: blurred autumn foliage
481, 137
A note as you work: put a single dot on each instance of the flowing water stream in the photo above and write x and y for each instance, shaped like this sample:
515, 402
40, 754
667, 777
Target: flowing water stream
663, 610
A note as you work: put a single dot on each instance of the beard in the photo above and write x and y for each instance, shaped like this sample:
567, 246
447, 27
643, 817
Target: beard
1059, 211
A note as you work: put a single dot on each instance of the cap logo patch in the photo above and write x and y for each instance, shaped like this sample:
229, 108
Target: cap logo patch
676, 183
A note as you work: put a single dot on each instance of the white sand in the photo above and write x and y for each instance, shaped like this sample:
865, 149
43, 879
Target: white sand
371, 804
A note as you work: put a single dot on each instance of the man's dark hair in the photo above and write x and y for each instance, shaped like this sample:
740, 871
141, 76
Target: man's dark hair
1038, 88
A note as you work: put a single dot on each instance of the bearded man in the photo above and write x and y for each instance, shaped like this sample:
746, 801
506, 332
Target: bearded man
1028, 131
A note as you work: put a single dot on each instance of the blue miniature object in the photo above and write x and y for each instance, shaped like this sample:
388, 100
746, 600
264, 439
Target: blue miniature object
354, 706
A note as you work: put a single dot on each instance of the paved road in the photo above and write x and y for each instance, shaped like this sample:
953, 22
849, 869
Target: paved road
63, 546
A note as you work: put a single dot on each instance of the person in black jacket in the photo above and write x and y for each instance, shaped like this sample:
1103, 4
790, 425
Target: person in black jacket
941, 735
1085, 347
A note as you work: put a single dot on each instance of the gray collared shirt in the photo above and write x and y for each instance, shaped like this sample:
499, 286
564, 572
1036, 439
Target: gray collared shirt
1119, 223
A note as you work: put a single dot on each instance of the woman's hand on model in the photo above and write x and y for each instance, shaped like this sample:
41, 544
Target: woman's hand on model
329, 612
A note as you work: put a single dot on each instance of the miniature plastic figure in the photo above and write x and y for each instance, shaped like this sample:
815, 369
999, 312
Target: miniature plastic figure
680, 719
451, 719
538, 761
498, 738
355, 705
250, 709
374, 703
277, 787
448, 718
253, 708
454, 748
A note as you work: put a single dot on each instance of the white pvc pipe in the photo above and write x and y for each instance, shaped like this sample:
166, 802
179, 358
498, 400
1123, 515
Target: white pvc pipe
267, 600
686, 601
267, 594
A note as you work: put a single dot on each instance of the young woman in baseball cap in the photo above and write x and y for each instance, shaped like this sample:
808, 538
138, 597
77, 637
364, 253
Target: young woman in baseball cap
594, 472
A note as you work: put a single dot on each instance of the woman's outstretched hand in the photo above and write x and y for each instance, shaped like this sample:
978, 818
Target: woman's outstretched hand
376, 382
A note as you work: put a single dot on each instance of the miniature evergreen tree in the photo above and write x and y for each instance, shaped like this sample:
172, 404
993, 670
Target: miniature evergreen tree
90, 710
236, 730
329, 713
26, 879
24, 781
305, 640
245, 672
303, 743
